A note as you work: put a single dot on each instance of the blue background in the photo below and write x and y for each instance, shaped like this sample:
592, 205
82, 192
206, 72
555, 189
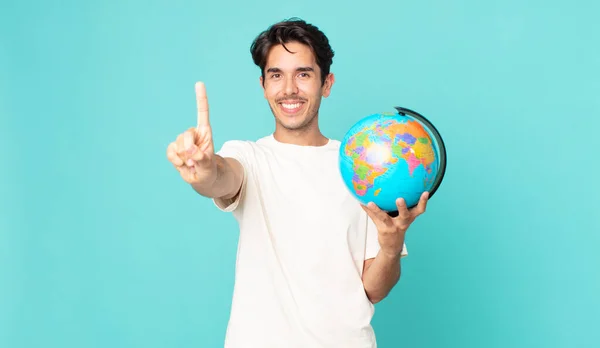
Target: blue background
103, 245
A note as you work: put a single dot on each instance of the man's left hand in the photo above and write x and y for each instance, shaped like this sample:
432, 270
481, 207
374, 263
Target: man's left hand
391, 230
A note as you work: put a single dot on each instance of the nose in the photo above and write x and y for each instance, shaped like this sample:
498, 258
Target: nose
290, 86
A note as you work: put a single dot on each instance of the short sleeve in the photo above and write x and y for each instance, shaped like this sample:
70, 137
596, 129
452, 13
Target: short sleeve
372, 244
238, 150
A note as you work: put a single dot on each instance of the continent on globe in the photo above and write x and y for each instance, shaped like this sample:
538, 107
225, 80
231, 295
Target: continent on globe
386, 156
379, 146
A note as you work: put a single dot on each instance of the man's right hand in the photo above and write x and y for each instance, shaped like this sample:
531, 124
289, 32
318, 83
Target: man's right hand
192, 153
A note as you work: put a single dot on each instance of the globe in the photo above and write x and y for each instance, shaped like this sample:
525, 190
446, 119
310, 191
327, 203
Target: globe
391, 155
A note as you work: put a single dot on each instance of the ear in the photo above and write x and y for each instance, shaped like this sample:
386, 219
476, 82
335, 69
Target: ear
262, 86
329, 80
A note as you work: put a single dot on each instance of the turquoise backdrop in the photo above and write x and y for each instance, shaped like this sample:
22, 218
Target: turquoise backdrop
103, 245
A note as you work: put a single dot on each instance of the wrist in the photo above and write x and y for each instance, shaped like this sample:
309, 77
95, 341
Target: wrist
392, 256
208, 180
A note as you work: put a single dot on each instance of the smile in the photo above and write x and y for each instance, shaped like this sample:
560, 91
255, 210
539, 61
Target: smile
291, 107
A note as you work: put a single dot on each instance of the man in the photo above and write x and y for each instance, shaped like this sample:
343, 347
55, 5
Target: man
311, 261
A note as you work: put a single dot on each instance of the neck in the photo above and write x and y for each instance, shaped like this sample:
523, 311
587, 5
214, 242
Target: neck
309, 136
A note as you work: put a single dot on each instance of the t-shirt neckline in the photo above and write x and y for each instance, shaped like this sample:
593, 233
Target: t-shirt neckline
276, 142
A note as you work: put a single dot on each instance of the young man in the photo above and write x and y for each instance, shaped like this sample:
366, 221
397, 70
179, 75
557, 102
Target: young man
311, 260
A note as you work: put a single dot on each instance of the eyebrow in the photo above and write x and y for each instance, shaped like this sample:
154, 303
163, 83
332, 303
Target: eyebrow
302, 68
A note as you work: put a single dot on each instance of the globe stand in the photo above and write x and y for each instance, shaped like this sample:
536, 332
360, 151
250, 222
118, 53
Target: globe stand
439, 142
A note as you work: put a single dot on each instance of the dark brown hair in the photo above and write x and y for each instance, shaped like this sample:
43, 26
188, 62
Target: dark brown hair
293, 29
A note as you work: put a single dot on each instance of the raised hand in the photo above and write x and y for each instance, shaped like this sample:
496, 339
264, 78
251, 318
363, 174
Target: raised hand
192, 153
392, 230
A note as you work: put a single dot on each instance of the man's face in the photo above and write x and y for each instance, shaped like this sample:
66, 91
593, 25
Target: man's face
292, 85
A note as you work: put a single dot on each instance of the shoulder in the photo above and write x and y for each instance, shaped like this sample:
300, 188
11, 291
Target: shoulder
335, 144
332, 148
243, 150
234, 148
240, 145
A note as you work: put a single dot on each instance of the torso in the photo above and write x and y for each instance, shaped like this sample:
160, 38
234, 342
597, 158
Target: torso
301, 252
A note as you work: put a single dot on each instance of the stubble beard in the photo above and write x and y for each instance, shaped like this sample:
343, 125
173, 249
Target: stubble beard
306, 124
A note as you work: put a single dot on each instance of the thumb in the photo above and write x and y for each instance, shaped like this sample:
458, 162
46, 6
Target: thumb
200, 157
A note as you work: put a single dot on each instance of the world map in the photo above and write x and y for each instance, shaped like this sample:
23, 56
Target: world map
376, 149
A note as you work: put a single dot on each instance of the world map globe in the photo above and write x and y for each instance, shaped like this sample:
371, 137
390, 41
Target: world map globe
386, 156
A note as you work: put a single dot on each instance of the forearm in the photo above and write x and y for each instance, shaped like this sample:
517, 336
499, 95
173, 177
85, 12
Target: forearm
381, 276
224, 183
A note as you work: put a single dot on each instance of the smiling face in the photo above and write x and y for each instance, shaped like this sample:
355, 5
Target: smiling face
292, 85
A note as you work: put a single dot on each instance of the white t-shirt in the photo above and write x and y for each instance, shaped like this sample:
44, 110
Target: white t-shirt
302, 244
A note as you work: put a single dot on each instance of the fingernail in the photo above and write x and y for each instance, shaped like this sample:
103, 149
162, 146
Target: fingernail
192, 149
190, 162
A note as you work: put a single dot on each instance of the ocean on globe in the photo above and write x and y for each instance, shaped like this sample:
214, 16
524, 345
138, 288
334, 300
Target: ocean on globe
386, 156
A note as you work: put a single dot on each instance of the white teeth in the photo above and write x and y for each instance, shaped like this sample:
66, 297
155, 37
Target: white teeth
291, 106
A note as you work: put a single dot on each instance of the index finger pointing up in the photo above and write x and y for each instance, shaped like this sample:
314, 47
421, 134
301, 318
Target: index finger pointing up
201, 104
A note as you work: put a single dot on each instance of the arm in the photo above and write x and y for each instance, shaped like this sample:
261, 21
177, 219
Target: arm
380, 275
225, 181
192, 154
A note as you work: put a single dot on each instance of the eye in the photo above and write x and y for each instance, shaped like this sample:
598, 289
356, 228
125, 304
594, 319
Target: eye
276, 76
304, 75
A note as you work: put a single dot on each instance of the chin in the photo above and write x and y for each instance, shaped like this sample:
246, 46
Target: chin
292, 125
297, 120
